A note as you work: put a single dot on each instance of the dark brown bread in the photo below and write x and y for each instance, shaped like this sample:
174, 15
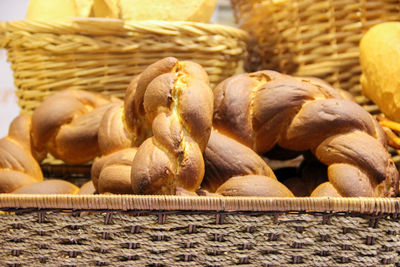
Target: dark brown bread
265, 109
225, 158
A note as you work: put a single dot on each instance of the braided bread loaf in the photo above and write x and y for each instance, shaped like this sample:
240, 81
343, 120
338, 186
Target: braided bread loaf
265, 109
50, 186
174, 98
118, 132
66, 124
225, 158
18, 167
233, 169
112, 173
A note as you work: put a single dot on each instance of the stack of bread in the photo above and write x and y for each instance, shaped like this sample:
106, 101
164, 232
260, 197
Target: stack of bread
173, 134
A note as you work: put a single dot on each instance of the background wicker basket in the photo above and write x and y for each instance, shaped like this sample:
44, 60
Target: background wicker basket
102, 54
312, 38
203, 231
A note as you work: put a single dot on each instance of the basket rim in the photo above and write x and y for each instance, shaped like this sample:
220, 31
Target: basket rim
103, 26
192, 203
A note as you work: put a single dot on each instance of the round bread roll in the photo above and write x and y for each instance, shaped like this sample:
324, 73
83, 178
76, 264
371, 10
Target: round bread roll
265, 109
380, 64
51, 186
174, 98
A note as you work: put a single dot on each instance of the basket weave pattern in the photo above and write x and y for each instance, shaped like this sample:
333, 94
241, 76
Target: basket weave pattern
173, 231
103, 55
312, 38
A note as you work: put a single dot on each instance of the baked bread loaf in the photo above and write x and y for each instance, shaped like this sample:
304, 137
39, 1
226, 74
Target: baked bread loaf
51, 186
112, 173
124, 125
122, 129
18, 167
113, 133
67, 123
266, 108
175, 99
225, 158
233, 169
87, 189
380, 64
254, 186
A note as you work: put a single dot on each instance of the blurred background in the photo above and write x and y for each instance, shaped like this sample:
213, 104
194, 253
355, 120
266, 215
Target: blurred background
15, 10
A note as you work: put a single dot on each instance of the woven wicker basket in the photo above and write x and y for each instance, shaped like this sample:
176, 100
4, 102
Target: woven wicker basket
205, 231
102, 54
312, 38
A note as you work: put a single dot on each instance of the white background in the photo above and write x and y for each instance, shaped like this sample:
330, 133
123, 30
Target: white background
15, 10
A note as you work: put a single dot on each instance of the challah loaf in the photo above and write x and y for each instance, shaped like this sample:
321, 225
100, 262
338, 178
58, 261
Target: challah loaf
233, 169
253, 185
113, 133
51, 186
87, 189
18, 167
265, 108
175, 99
67, 123
112, 173
225, 158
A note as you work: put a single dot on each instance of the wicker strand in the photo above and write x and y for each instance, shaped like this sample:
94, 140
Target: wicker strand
313, 38
135, 202
199, 239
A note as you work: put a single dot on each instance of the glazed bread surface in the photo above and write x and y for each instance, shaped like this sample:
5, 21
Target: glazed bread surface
224, 158
112, 173
51, 186
175, 99
18, 166
265, 109
67, 123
